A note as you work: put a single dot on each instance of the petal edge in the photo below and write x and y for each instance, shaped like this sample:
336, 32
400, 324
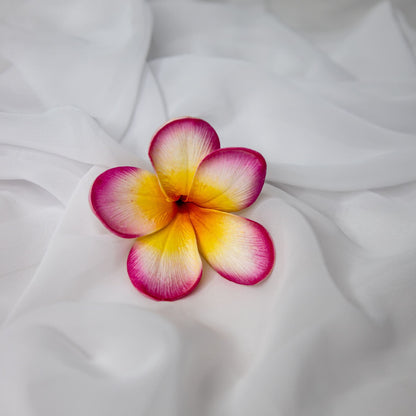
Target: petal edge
239, 249
229, 179
176, 150
129, 202
166, 265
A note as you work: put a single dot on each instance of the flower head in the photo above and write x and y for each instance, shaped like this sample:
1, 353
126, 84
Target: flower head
185, 209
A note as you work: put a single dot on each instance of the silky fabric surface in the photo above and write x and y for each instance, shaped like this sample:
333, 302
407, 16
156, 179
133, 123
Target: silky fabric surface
326, 91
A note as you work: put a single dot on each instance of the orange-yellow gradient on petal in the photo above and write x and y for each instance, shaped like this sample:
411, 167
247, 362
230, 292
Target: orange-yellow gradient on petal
239, 249
166, 265
176, 151
228, 179
130, 203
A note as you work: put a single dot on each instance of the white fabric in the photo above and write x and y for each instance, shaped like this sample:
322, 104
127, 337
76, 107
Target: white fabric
326, 91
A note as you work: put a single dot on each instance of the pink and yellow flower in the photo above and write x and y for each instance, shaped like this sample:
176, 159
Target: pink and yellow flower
185, 209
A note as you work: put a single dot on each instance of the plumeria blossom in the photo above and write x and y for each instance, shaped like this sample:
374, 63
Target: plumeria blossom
184, 210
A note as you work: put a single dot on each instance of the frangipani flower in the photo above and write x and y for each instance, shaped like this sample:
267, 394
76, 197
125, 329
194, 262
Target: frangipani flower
185, 209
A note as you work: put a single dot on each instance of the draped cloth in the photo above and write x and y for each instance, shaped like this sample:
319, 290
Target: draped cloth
326, 91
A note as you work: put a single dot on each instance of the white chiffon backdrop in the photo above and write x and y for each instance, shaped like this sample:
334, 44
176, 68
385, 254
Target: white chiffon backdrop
326, 91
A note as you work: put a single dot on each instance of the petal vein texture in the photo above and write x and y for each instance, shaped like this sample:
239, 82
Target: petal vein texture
166, 265
239, 249
176, 151
129, 202
229, 179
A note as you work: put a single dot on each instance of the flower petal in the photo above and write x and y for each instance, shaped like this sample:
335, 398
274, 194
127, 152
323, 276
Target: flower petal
229, 179
239, 249
176, 151
130, 203
166, 265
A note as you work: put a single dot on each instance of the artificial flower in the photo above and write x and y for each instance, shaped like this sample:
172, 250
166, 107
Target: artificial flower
184, 210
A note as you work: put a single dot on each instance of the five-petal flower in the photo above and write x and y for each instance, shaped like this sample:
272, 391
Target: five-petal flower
185, 209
